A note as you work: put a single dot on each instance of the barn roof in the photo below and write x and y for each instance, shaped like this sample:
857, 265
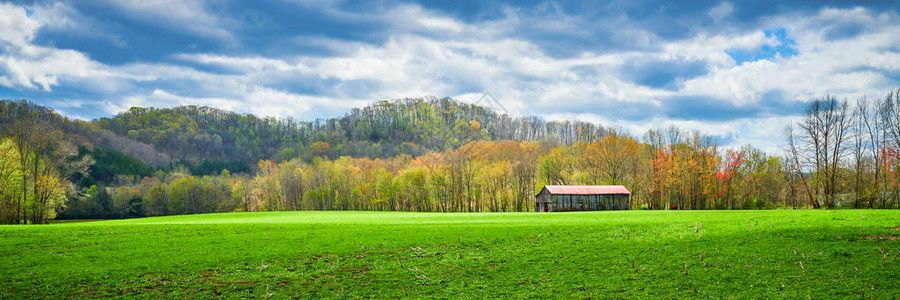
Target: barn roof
587, 189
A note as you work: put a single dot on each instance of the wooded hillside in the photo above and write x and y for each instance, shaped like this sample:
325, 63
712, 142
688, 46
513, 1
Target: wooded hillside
382, 130
425, 155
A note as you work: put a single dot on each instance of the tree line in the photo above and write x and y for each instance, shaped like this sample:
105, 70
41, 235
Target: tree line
838, 154
481, 176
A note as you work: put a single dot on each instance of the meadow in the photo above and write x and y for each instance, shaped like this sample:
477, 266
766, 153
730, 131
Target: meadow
612, 254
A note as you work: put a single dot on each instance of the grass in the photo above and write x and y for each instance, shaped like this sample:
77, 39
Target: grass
74, 221
656, 254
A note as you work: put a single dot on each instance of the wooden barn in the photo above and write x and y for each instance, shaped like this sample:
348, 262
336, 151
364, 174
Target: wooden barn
582, 197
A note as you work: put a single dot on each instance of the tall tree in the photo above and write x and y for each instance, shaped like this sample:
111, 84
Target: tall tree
825, 126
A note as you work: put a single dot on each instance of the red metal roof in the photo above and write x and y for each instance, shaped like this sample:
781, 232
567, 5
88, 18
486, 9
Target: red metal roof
587, 189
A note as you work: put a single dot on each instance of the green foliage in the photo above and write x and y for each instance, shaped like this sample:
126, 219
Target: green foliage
32, 179
11, 180
218, 166
384, 129
109, 163
627, 254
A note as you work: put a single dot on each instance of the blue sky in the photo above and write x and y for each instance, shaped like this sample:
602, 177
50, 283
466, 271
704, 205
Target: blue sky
736, 70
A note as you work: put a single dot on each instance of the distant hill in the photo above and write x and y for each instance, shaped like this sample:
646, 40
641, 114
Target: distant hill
207, 140
194, 135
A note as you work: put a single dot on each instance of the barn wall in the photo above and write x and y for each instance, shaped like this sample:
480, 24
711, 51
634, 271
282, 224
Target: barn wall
542, 199
583, 202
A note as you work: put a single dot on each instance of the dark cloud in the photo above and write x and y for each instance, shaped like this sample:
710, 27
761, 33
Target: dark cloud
842, 31
701, 108
686, 108
662, 74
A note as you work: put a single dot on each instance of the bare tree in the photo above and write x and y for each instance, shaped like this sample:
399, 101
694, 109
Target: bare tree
794, 162
871, 125
859, 150
825, 125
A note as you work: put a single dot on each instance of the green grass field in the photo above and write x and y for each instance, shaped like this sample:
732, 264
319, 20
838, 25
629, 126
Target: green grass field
657, 254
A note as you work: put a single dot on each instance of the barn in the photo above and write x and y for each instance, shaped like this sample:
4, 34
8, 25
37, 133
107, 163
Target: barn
582, 197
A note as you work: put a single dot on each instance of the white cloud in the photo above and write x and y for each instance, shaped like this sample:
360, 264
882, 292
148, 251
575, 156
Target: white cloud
192, 16
44, 66
56, 15
721, 11
16, 28
25, 64
850, 67
711, 49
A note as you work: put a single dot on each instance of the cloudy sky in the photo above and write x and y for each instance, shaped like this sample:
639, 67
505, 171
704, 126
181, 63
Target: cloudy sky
736, 70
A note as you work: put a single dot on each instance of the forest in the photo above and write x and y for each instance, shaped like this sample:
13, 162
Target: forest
430, 154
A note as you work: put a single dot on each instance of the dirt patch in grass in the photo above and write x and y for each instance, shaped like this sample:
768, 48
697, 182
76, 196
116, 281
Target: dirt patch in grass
883, 237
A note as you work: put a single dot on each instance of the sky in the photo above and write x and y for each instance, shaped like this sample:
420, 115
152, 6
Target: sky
739, 71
